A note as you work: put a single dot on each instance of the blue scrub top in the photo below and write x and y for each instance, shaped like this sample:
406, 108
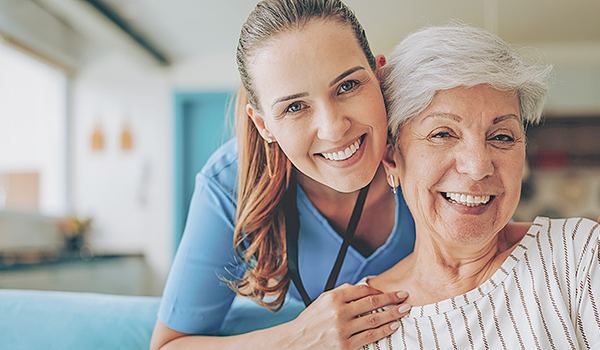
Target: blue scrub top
196, 298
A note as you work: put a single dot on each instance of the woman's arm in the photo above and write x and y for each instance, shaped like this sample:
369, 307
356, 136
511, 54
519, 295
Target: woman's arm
333, 320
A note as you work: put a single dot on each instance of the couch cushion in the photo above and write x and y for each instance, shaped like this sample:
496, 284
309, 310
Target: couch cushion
66, 320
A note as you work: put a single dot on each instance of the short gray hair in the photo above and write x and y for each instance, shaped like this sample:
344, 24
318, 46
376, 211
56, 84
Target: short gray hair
455, 54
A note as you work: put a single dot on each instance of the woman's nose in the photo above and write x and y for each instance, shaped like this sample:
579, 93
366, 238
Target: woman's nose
474, 161
332, 124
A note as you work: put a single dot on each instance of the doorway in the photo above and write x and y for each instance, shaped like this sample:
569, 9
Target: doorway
202, 124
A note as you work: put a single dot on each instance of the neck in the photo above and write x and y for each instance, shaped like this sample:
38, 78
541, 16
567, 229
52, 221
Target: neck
435, 271
441, 272
378, 216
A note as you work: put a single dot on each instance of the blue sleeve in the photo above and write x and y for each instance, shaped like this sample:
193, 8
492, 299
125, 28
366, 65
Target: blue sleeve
196, 299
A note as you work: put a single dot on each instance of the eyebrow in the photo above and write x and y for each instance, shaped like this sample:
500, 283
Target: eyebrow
458, 119
333, 82
345, 74
504, 117
287, 98
442, 115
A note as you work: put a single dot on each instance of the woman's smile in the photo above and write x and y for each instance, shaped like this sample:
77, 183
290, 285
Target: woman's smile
467, 199
346, 153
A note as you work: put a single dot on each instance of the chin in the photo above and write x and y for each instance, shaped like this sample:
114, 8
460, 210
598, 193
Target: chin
349, 189
350, 185
468, 232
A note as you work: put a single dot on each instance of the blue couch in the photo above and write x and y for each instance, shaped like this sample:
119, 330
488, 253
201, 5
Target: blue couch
66, 320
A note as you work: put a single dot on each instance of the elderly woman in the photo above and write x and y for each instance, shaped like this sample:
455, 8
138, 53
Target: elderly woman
459, 98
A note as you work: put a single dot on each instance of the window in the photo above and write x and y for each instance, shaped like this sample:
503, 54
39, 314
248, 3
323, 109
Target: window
33, 137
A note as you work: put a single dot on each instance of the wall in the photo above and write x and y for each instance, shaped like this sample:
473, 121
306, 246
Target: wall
575, 89
128, 193
209, 72
575, 80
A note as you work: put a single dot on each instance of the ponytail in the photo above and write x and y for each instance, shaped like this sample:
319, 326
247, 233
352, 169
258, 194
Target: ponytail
259, 235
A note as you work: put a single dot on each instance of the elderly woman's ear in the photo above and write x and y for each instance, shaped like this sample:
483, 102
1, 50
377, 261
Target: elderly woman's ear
390, 164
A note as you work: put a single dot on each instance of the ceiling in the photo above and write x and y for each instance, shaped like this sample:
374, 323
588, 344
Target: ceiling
187, 28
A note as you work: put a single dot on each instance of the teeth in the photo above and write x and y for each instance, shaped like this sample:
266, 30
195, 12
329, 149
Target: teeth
468, 200
345, 154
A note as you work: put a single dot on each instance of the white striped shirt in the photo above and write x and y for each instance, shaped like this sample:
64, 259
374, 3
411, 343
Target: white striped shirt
546, 295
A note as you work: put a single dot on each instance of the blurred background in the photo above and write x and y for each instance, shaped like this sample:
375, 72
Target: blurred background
109, 107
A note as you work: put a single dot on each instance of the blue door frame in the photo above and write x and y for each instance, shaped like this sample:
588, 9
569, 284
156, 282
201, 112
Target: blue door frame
202, 124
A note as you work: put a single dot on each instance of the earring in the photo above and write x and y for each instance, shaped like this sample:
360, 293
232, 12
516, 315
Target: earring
393, 184
269, 140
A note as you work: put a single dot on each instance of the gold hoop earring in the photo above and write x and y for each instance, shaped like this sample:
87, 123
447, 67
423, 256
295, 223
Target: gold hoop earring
393, 184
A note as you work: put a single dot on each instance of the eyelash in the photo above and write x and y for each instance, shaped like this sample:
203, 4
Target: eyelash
288, 108
354, 85
437, 135
505, 138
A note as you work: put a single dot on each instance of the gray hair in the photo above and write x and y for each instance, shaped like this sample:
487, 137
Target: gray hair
444, 57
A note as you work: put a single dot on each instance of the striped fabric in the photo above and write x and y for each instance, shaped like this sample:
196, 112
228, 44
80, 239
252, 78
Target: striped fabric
546, 295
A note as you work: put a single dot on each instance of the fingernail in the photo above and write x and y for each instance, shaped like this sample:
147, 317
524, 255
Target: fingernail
403, 308
395, 325
402, 294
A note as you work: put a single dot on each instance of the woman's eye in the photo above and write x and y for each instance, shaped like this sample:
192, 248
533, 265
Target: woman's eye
347, 85
294, 107
503, 137
442, 134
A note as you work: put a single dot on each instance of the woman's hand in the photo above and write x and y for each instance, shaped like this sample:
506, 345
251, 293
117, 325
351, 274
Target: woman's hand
342, 319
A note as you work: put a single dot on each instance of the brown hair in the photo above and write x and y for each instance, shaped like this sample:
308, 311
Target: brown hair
264, 170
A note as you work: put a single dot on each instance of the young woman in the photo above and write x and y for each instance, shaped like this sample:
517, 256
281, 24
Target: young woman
311, 131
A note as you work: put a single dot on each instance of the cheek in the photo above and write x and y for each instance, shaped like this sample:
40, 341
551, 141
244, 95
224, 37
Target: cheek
295, 145
419, 171
512, 177
514, 169
427, 167
292, 145
286, 133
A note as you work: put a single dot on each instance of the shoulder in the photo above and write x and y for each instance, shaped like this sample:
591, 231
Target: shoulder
576, 230
572, 239
222, 167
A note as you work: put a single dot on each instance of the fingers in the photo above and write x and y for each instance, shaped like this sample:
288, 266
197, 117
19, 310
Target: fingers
363, 299
351, 292
378, 325
377, 319
370, 302
372, 335
366, 319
